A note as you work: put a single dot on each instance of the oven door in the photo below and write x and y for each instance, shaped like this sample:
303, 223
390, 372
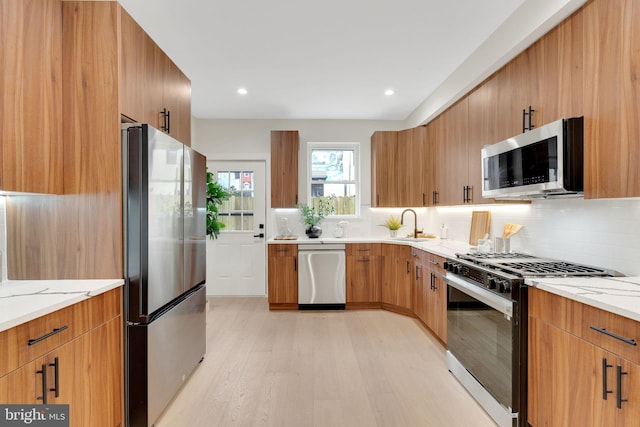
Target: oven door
482, 336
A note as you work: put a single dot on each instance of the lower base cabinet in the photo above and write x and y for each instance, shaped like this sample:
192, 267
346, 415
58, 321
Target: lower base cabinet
397, 277
430, 292
363, 274
572, 381
283, 276
85, 373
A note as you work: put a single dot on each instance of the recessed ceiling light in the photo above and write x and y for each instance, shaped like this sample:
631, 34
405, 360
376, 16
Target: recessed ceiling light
242, 91
389, 92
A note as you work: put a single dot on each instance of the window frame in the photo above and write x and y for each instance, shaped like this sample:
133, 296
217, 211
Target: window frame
355, 146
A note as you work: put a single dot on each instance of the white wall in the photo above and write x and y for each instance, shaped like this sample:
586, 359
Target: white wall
603, 233
251, 139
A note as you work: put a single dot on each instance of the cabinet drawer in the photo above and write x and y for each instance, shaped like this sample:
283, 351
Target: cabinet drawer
283, 250
558, 311
616, 334
436, 263
397, 251
30, 340
363, 249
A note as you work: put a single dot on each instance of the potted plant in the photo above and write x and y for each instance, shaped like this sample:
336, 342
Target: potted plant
215, 196
313, 215
393, 224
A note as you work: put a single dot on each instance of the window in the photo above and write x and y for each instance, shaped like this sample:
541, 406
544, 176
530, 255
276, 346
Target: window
237, 212
334, 172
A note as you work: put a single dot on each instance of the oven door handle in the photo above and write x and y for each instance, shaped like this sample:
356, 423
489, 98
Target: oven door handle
504, 306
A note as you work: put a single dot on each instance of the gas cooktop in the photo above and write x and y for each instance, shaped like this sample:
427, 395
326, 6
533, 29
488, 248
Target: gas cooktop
525, 265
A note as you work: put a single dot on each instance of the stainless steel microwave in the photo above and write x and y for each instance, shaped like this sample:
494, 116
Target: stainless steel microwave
546, 161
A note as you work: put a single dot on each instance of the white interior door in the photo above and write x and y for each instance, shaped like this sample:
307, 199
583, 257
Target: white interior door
236, 260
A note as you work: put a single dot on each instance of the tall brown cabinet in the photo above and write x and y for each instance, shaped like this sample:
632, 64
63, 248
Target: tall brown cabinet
110, 70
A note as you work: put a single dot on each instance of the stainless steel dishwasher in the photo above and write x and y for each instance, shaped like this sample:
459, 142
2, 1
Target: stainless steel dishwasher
321, 277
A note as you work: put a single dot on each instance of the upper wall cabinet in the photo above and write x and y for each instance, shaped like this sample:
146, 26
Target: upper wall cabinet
31, 96
384, 153
284, 168
153, 90
611, 98
412, 165
398, 166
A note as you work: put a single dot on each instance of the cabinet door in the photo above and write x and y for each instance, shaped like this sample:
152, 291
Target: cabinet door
384, 173
284, 168
481, 133
133, 69
405, 281
89, 376
629, 412
421, 288
31, 154
388, 284
560, 79
176, 100
612, 90
565, 379
283, 274
22, 386
438, 298
411, 166
453, 176
363, 278
434, 146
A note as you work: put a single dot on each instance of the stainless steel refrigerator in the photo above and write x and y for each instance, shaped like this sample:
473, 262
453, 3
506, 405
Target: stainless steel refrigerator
164, 222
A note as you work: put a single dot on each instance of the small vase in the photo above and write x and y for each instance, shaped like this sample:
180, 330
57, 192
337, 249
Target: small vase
393, 233
313, 231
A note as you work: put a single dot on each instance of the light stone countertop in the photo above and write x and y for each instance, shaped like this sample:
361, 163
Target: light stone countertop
443, 247
619, 295
25, 300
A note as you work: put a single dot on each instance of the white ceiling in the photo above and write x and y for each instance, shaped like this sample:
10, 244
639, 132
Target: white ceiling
330, 59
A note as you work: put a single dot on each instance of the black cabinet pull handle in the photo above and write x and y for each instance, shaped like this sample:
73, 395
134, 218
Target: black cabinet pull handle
417, 272
612, 335
469, 194
56, 376
464, 194
619, 398
408, 268
45, 336
435, 283
435, 198
524, 113
363, 260
295, 264
168, 121
43, 371
164, 126
531, 110
605, 390
423, 202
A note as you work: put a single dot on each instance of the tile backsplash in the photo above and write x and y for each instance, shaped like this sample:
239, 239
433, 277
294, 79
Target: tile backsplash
603, 233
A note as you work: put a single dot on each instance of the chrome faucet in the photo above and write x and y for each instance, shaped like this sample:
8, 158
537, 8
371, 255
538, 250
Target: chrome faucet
415, 221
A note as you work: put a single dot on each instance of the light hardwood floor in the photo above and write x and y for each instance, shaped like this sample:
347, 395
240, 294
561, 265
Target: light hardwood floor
345, 368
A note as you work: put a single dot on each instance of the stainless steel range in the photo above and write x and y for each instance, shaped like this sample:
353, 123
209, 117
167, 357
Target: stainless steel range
487, 325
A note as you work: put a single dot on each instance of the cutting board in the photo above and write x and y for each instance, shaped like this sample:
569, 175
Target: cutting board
480, 222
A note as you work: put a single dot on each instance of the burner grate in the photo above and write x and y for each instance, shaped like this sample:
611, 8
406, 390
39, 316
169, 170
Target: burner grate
551, 268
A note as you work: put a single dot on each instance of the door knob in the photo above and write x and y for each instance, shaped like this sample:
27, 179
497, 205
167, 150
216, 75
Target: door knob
261, 235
